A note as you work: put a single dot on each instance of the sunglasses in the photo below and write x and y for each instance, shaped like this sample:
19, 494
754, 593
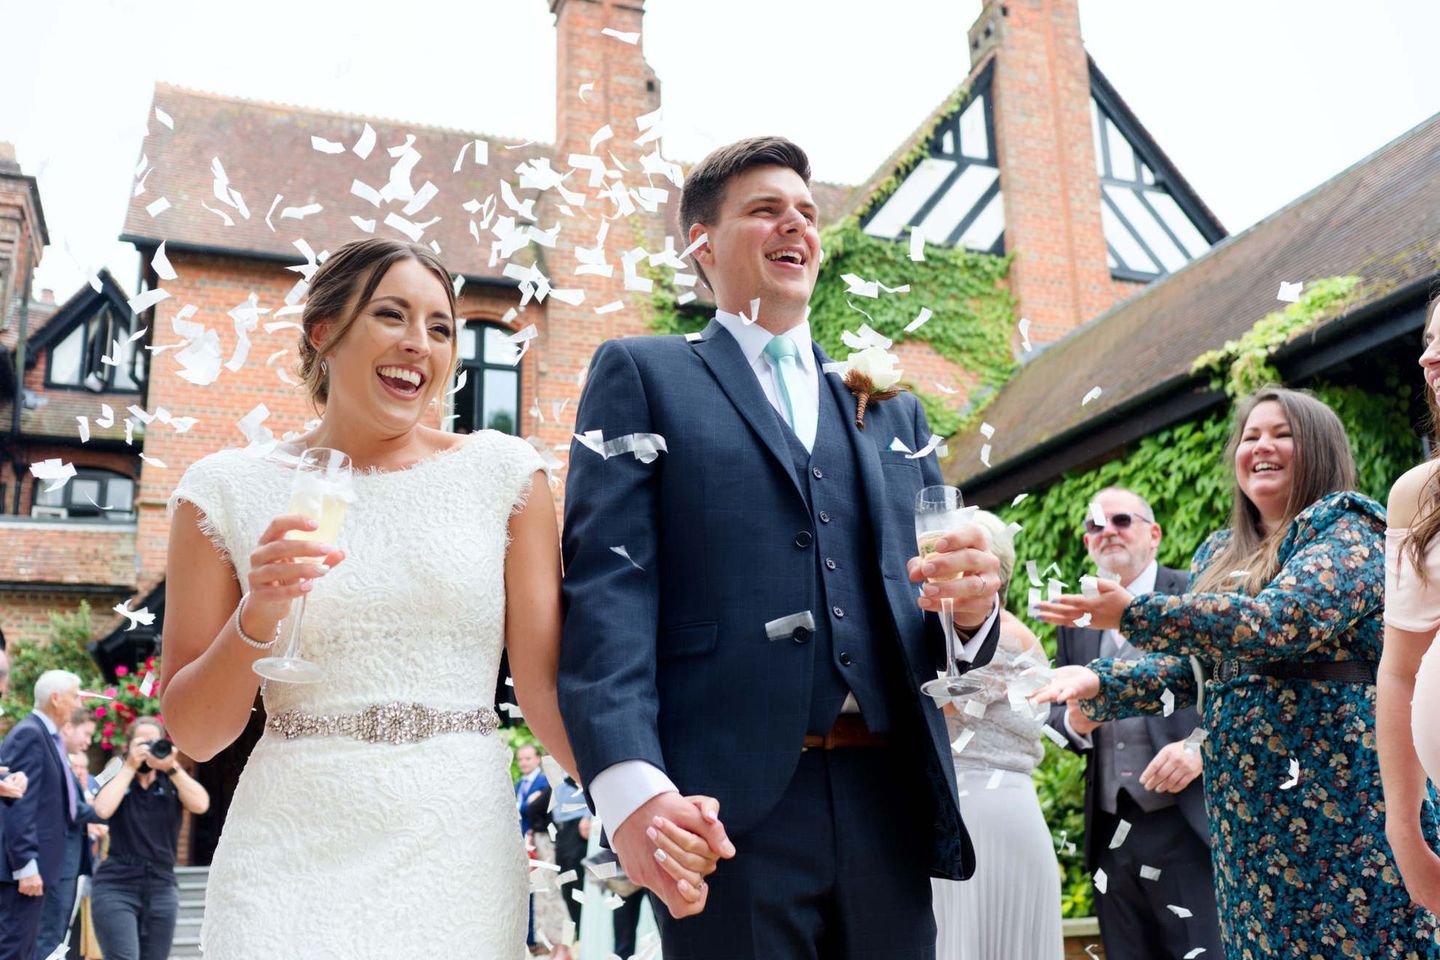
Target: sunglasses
1120, 521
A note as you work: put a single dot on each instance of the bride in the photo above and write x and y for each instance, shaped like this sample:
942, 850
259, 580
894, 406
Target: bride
353, 837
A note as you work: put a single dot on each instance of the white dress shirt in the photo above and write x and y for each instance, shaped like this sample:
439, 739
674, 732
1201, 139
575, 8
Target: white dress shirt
1145, 583
621, 789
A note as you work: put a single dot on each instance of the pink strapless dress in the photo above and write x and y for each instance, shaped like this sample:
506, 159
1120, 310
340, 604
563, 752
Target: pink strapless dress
1413, 605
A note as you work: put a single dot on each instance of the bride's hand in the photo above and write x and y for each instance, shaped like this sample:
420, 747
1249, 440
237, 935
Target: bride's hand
281, 570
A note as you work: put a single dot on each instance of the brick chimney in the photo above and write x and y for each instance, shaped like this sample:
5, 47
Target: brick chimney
1041, 103
618, 87
23, 237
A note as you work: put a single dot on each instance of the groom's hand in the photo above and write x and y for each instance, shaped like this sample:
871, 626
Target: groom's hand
963, 569
669, 844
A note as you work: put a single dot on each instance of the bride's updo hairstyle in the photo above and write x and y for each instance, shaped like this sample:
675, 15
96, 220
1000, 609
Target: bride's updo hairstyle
338, 293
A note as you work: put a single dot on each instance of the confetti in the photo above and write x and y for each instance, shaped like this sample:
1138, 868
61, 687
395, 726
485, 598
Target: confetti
869, 288
53, 470
621, 551
1025, 335
157, 207
1090, 952
366, 225
161, 263
1180, 912
153, 461
1097, 514
1294, 776
926, 450
1083, 621
1289, 292
1089, 586
645, 446
898, 446
919, 321
917, 246
1054, 736
1092, 394
585, 88
961, 742
1101, 881
630, 38
1167, 701
1032, 570
300, 213
1194, 953
1019, 500
136, 617
946, 390
164, 118
84, 423
326, 146
1149, 873
147, 686
365, 192
985, 454
1192, 742
523, 337
365, 144
976, 708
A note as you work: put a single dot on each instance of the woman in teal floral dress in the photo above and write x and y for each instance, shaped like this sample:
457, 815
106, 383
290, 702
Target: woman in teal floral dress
1284, 618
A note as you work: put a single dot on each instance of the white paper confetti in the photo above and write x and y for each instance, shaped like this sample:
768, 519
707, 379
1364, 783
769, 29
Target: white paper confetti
1122, 830
898, 446
645, 446
1193, 953
1092, 394
1101, 881
365, 144
1167, 701
157, 206
630, 38
164, 118
926, 450
985, 454
322, 145
1055, 736
1083, 621
1025, 335
1192, 742
1149, 873
621, 551
961, 742
1294, 776
1097, 514
585, 88
136, 617
53, 470
161, 264
524, 337
1180, 912
1289, 292
917, 246
155, 462
147, 686
1089, 586
919, 321
1019, 500
976, 708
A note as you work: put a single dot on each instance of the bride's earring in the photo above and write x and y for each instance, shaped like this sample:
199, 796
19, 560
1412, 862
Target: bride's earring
324, 368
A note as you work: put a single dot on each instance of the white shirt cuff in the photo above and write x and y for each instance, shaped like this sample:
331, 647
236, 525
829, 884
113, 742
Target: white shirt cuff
29, 870
622, 788
1085, 740
969, 648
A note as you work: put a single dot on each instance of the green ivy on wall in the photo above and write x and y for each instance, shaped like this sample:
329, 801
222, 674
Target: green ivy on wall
1181, 471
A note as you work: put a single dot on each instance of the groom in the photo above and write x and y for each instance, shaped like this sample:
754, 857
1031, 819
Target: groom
762, 637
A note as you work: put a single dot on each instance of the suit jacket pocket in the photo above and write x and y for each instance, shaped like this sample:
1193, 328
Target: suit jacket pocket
687, 640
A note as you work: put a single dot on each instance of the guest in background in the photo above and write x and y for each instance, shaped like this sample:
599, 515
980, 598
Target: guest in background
36, 824
1285, 608
59, 898
571, 816
134, 899
1010, 908
1138, 771
550, 913
532, 781
1410, 665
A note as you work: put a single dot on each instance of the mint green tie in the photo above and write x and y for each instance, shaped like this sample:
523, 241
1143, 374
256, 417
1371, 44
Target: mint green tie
784, 355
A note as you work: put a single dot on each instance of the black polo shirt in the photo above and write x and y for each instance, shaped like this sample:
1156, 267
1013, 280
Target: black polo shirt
144, 831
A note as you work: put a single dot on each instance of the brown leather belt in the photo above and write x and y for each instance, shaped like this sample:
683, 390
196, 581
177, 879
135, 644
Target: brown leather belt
849, 731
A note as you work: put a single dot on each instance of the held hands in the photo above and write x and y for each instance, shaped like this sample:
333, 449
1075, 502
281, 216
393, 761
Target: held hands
669, 845
963, 570
1105, 610
1172, 770
282, 570
13, 786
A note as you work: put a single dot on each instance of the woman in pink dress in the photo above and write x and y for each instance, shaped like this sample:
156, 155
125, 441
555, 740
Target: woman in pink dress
1408, 687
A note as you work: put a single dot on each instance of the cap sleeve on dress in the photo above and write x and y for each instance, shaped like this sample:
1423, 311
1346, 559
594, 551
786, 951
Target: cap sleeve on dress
204, 486
1410, 603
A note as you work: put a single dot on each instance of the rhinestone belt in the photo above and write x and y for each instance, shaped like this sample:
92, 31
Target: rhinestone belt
385, 723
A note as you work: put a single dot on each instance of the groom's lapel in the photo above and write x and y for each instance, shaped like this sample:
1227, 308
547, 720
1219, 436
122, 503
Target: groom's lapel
867, 455
727, 364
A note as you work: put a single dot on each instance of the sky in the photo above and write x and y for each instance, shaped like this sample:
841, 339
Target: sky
1255, 101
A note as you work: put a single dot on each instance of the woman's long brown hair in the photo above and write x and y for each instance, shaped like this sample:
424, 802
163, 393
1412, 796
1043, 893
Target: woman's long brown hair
1322, 464
1426, 525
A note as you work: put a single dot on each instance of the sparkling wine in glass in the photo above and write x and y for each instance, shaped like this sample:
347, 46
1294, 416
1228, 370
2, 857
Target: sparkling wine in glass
939, 510
321, 489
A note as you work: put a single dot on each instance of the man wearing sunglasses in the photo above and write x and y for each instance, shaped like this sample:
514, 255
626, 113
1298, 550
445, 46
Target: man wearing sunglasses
1138, 771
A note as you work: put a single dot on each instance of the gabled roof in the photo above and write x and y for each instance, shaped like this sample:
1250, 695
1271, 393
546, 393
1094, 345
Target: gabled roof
82, 303
1379, 220
265, 149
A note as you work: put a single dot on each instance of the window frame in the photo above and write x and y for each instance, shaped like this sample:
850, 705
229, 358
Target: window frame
105, 476
114, 328
475, 368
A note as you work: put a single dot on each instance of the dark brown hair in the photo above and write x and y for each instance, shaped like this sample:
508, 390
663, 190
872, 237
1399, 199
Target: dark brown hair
82, 715
1322, 464
1426, 524
705, 185
340, 289
143, 721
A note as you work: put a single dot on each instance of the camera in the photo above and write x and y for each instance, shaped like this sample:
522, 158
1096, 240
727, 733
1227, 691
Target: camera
160, 749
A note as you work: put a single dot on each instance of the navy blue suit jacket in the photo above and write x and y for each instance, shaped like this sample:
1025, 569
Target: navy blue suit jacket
522, 799
35, 824
666, 659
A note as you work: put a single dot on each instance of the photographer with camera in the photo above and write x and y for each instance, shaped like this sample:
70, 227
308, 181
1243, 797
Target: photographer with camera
134, 900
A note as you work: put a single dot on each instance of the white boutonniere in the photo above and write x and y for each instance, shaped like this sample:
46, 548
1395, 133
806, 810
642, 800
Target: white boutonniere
871, 374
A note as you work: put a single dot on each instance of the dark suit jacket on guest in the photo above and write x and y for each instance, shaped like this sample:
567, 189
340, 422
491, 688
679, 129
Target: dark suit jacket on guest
666, 659
1077, 645
523, 795
35, 824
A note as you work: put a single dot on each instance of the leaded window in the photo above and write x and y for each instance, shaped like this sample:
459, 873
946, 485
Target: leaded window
97, 354
91, 494
952, 197
490, 396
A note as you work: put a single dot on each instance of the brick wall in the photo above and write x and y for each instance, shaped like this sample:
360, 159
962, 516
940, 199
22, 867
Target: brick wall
1047, 167
25, 615
67, 552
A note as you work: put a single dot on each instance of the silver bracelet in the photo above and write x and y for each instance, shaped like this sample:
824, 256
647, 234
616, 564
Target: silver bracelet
249, 640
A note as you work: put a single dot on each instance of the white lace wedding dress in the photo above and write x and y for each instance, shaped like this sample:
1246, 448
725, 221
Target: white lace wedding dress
336, 847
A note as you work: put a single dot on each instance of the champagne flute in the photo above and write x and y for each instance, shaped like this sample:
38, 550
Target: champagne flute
321, 489
939, 510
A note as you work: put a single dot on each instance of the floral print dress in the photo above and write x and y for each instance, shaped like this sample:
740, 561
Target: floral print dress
1302, 870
